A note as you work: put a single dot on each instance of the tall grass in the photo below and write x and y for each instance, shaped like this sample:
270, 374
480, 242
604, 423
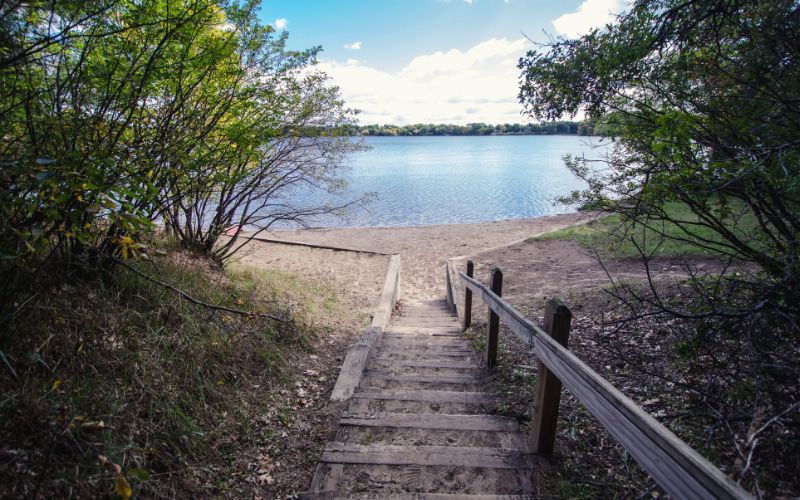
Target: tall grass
126, 372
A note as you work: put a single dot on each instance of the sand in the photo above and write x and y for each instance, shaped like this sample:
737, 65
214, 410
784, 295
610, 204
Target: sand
423, 251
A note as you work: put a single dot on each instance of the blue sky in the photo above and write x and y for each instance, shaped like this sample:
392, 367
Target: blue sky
433, 61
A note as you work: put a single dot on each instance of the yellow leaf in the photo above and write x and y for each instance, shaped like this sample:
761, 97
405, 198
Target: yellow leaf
79, 197
122, 488
56, 384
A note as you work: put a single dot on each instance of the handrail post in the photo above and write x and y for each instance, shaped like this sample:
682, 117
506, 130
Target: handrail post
557, 319
449, 288
468, 297
494, 321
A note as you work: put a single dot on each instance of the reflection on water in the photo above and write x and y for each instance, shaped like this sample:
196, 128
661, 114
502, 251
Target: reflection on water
441, 180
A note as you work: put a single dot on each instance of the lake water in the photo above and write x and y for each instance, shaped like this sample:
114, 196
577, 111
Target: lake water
444, 180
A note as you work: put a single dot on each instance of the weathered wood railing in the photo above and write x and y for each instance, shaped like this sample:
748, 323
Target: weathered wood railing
679, 469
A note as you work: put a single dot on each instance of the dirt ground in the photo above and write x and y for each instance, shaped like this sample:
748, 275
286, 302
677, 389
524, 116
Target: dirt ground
423, 251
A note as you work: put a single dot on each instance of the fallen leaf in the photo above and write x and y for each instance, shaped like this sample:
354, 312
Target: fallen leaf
122, 488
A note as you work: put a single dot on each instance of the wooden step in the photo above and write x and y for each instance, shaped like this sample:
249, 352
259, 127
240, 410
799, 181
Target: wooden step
378, 454
425, 323
333, 495
397, 351
402, 329
432, 355
425, 348
433, 379
426, 396
423, 333
427, 341
486, 423
398, 363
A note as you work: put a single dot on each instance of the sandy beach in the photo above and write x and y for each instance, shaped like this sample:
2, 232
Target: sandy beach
423, 250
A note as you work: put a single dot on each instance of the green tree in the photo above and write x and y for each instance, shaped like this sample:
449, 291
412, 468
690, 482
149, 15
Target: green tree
701, 98
118, 114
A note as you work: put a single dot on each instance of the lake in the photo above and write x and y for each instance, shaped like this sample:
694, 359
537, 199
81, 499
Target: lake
463, 179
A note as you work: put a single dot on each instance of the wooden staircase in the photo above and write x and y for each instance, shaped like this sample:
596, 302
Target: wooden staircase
420, 425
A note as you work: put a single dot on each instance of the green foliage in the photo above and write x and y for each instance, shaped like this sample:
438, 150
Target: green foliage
700, 98
120, 114
422, 129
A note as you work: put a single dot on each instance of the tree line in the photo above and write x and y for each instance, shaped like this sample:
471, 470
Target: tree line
556, 127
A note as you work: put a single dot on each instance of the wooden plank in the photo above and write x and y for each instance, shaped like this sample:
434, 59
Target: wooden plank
423, 330
557, 320
333, 495
389, 295
485, 423
353, 365
423, 353
679, 469
431, 342
427, 364
433, 358
437, 379
423, 337
433, 323
425, 396
426, 344
378, 454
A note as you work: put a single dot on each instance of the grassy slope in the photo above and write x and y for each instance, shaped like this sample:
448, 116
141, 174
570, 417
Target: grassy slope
127, 373
611, 236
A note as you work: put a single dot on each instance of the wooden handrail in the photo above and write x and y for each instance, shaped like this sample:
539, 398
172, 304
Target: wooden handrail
678, 468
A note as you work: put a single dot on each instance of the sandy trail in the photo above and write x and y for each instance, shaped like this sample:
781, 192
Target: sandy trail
423, 251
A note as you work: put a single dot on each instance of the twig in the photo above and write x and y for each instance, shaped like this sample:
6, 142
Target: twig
193, 300
8, 365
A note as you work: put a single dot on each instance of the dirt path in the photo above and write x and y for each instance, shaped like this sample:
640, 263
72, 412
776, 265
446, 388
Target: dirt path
420, 421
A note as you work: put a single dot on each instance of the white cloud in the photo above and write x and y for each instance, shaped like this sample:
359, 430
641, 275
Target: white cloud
468, 1
590, 14
476, 85
353, 46
280, 23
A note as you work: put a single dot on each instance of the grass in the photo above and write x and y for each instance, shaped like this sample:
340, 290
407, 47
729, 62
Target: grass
122, 384
613, 236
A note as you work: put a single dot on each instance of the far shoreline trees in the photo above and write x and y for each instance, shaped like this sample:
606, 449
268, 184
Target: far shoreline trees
582, 128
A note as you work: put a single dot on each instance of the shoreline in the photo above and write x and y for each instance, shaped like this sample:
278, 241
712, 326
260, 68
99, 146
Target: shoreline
409, 226
423, 251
